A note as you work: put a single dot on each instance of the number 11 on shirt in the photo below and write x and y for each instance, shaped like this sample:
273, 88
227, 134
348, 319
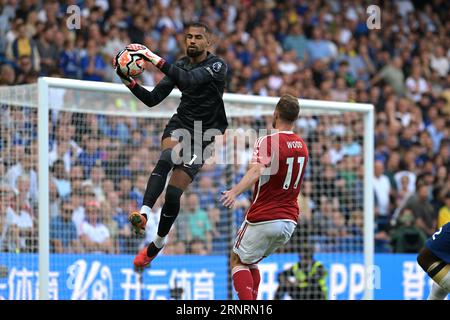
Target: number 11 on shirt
290, 163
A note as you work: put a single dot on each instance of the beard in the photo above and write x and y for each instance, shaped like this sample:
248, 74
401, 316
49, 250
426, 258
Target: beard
193, 52
273, 123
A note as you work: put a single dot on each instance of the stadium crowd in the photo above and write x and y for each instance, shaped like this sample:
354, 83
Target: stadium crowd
311, 49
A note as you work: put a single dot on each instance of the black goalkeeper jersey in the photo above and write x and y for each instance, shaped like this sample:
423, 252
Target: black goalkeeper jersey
202, 87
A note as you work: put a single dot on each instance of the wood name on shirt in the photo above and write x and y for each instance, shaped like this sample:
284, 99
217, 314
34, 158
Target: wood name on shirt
294, 144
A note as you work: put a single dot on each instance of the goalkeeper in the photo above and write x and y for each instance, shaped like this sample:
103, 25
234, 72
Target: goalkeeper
200, 76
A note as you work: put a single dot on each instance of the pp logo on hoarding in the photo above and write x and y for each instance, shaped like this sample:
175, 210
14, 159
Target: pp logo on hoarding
94, 283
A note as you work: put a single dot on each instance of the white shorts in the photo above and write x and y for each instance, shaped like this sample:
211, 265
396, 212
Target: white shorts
256, 241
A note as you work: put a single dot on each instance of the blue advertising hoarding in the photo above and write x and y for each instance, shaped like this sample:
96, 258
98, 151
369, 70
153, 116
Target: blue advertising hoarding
394, 276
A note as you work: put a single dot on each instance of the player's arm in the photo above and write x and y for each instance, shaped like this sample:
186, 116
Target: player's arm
182, 78
254, 172
149, 98
261, 159
154, 97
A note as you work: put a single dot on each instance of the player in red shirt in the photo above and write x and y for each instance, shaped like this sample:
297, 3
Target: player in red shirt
276, 170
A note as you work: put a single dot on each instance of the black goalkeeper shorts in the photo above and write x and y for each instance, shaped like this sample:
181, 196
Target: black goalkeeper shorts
193, 162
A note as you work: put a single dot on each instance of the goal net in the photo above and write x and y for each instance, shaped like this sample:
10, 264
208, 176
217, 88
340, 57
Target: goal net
75, 159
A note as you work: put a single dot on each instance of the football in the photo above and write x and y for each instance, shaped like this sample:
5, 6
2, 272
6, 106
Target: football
130, 64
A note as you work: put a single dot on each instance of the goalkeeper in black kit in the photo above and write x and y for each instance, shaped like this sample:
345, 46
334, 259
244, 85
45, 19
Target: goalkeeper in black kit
200, 76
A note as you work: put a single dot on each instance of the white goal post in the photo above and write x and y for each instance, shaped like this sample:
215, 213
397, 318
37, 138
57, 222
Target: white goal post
45, 84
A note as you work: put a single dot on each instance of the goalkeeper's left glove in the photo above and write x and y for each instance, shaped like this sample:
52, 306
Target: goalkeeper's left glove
146, 53
128, 81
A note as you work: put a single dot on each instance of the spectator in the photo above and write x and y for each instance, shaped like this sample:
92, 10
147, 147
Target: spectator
393, 75
218, 235
356, 224
403, 170
416, 85
305, 280
382, 190
21, 222
295, 40
351, 147
133, 168
422, 209
69, 60
403, 193
318, 48
76, 177
64, 146
79, 212
114, 128
23, 45
124, 189
91, 156
61, 179
407, 238
7, 75
335, 152
92, 65
129, 243
439, 62
444, 212
26, 202
96, 182
287, 64
438, 131
138, 189
63, 233
198, 247
175, 248
179, 247
48, 51
95, 236
9, 235
207, 193
199, 224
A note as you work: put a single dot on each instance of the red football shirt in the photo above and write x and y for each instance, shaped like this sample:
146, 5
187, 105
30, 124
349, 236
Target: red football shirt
285, 156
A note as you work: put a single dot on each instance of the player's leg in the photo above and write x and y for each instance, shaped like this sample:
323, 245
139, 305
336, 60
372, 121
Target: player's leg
249, 247
438, 270
254, 270
437, 293
178, 182
242, 278
434, 259
155, 185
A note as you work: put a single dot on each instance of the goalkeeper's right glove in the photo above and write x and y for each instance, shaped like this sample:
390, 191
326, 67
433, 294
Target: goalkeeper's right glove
128, 81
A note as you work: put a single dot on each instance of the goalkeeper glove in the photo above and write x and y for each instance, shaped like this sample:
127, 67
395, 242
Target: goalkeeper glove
128, 81
146, 53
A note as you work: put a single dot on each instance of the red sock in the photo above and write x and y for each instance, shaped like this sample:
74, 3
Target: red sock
243, 282
256, 279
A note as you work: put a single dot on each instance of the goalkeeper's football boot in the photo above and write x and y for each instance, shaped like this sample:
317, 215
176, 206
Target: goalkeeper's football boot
142, 260
138, 222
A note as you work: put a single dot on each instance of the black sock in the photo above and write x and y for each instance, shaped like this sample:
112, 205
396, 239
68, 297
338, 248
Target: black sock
170, 210
152, 250
156, 183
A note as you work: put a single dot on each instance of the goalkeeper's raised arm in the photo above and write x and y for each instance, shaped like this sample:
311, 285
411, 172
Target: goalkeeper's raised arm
149, 98
198, 68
